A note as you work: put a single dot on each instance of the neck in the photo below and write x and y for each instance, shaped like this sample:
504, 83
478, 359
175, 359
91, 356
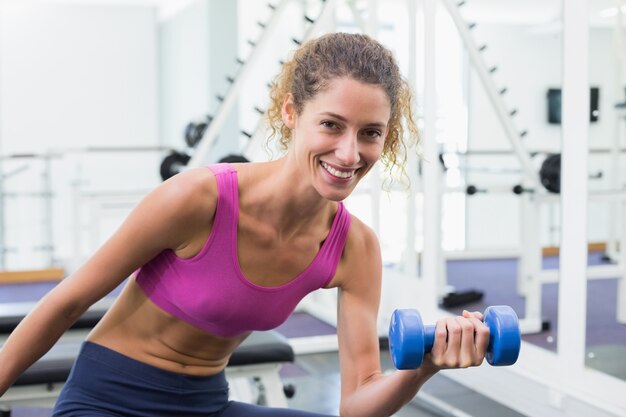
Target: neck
274, 194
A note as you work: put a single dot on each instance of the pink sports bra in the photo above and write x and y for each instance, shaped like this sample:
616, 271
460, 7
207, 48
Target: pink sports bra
210, 291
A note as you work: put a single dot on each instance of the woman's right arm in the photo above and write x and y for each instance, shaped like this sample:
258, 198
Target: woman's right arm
167, 218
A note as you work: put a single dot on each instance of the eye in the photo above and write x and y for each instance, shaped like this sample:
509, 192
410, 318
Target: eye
372, 133
329, 124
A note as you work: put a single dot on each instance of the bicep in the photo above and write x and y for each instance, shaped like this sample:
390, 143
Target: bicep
359, 297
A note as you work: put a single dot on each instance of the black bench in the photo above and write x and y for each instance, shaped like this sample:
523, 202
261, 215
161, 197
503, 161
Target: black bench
260, 357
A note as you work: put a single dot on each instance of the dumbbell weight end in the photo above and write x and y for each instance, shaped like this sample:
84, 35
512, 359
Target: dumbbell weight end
406, 339
504, 335
409, 339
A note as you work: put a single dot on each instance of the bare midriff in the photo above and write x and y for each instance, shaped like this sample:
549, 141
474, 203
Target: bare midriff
137, 328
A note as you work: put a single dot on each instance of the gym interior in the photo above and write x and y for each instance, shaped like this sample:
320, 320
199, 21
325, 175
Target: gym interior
514, 196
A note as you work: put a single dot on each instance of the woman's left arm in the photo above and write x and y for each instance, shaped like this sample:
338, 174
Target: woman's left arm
365, 390
460, 341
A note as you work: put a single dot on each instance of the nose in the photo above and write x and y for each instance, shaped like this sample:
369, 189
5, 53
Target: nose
347, 150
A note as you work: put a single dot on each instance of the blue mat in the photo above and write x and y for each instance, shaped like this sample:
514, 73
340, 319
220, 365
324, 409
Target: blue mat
13, 293
302, 325
19, 411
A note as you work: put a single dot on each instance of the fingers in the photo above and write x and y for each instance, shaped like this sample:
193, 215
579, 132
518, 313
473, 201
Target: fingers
441, 342
480, 342
481, 335
446, 349
461, 341
467, 353
476, 314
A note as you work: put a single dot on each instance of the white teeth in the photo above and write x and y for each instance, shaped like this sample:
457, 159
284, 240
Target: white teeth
336, 173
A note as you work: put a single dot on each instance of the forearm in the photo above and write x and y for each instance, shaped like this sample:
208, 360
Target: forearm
31, 339
383, 395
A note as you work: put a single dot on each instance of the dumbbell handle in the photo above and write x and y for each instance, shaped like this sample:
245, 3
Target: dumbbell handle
429, 337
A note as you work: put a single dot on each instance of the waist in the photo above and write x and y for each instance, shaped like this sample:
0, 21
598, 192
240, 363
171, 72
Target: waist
120, 362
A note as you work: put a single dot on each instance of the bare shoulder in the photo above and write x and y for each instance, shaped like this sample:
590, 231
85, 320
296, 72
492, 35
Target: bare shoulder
361, 239
182, 205
361, 256
191, 190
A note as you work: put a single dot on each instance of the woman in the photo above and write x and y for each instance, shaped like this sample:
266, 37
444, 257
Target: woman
223, 251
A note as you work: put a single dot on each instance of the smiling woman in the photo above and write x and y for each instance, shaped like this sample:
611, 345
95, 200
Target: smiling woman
317, 63
218, 252
340, 134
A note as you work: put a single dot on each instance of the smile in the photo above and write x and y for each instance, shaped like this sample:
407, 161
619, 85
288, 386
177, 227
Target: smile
337, 173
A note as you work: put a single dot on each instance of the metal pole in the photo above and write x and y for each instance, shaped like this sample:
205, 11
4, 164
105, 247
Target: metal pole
371, 29
206, 143
324, 20
621, 282
529, 278
431, 266
617, 210
2, 201
48, 237
574, 186
493, 94
2, 222
410, 255
616, 223
615, 217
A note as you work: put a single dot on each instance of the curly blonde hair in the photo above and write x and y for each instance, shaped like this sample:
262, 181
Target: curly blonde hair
316, 62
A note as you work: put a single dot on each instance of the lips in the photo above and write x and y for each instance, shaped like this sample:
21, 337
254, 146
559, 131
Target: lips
343, 174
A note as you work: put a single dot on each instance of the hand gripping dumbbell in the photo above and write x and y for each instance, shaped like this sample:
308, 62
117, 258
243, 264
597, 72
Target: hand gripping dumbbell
409, 339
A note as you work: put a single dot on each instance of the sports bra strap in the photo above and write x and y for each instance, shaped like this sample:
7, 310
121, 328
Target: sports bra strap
227, 211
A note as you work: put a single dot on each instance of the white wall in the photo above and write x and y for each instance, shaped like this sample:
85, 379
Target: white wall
73, 75
77, 76
184, 69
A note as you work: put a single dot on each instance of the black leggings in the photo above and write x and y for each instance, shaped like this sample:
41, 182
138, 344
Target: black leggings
104, 383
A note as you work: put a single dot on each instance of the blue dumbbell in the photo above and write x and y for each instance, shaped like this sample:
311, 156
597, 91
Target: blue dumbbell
409, 339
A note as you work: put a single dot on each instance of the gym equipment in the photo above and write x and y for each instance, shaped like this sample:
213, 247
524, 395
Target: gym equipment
519, 189
260, 47
234, 158
472, 189
173, 163
550, 173
549, 177
259, 357
88, 320
195, 130
409, 339
455, 299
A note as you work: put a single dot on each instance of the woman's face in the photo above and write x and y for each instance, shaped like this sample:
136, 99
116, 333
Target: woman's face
339, 135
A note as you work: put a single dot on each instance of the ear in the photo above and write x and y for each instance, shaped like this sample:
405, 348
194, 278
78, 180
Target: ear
288, 112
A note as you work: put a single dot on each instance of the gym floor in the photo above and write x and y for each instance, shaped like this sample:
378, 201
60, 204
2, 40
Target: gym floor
318, 390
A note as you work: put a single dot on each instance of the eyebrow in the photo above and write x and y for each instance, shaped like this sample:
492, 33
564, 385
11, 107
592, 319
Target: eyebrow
343, 119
